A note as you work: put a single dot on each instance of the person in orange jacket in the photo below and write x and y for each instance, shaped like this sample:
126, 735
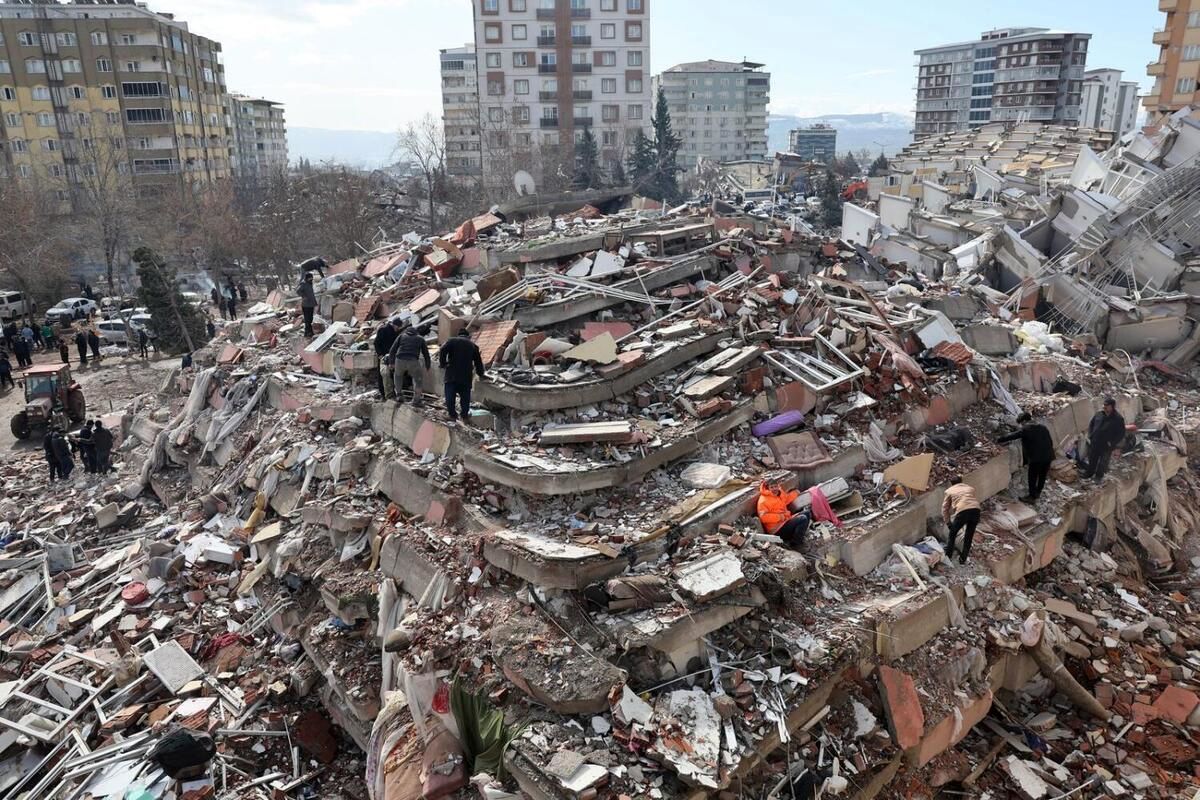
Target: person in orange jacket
778, 519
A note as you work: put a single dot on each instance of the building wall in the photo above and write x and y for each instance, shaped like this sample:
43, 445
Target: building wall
259, 133
720, 111
1176, 71
72, 74
546, 69
1108, 102
817, 143
460, 110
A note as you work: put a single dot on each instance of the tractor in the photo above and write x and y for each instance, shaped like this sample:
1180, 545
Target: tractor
51, 399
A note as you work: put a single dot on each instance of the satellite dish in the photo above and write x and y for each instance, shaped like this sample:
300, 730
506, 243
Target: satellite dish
523, 183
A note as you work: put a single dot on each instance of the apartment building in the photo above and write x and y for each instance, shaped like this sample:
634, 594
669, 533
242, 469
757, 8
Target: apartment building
1007, 75
1176, 71
814, 143
548, 69
1109, 103
257, 132
78, 74
460, 110
718, 108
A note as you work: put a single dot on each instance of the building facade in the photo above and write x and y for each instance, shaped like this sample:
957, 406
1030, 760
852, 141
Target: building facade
258, 134
1007, 75
460, 111
76, 76
1109, 103
814, 143
718, 109
1176, 71
548, 69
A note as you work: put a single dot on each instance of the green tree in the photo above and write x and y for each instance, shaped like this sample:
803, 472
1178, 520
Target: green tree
180, 327
587, 161
879, 166
849, 166
666, 150
641, 163
831, 200
616, 173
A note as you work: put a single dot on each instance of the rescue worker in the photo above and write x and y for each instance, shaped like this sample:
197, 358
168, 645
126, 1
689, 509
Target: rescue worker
308, 302
385, 337
62, 452
94, 342
779, 520
960, 510
87, 450
1106, 431
456, 358
406, 355
51, 455
1037, 448
102, 440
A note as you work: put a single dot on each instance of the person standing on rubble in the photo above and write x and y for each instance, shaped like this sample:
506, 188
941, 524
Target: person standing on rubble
1106, 431
6, 378
1037, 447
407, 353
87, 448
62, 453
456, 358
143, 342
308, 302
94, 342
51, 456
777, 518
102, 441
385, 337
960, 510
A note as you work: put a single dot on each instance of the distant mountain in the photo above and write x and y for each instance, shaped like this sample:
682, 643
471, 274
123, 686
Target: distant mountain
855, 131
368, 149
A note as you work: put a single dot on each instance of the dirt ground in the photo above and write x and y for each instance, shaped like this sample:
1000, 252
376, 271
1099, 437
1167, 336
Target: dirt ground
107, 386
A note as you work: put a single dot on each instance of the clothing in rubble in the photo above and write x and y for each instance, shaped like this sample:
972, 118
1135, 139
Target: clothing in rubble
457, 358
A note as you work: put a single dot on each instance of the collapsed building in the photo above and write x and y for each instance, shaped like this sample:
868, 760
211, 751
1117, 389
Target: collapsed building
570, 596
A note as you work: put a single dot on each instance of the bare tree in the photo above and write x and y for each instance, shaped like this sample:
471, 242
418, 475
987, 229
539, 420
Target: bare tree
423, 143
32, 245
102, 192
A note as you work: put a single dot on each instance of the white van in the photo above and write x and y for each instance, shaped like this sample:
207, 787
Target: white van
13, 305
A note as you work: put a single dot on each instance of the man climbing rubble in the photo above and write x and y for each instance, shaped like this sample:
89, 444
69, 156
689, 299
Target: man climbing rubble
308, 302
385, 337
960, 510
456, 358
407, 353
1105, 433
779, 520
1037, 447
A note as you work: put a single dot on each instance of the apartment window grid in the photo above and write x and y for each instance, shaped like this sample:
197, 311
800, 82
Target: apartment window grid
1185, 86
1191, 52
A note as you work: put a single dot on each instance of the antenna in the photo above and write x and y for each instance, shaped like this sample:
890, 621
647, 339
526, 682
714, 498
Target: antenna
523, 183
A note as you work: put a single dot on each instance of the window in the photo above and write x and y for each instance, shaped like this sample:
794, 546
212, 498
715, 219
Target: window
55, 170
103, 65
549, 59
76, 92
520, 59
492, 32
8, 93
131, 66
495, 88
19, 146
35, 66
41, 93
4, 67
51, 145
550, 85
112, 117
495, 114
610, 113
550, 139
608, 30
1185, 86
72, 65
1194, 19
99, 38
607, 58
67, 39
142, 116
109, 92
45, 119
521, 87
142, 89
633, 5
634, 112
549, 112
608, 5
27, 38
520, 114
23, 169
516, 5
1191, 52
520, 33
608, 85
578, 5
608, 138
633, 85
491, 6
635, 58
127, 38
12, 119
633, 31
492, 60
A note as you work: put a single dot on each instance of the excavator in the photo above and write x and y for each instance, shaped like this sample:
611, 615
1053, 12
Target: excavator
855, 190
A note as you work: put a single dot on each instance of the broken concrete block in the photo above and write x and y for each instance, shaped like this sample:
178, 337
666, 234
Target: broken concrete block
171, 664
711, 577
107, 516
906, 718
600, 350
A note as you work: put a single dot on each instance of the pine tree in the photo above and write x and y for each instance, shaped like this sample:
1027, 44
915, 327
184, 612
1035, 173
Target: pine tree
831, 200
666, 150
879, 166
849, 166
617, 173
587, 161
641, 164
180, 327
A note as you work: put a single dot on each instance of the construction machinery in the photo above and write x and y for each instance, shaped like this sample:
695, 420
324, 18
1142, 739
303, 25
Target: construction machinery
52, 398
855, 190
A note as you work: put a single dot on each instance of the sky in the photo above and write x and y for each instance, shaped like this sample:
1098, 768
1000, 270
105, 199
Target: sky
373, 64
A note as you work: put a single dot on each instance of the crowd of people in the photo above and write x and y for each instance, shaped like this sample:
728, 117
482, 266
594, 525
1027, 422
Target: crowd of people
404, 365
93, 444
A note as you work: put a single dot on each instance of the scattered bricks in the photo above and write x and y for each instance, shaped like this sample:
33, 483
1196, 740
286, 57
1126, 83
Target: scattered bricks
751, 381
906, 718
1142, 713
710, 408
1176, 704
1105, 694
314, 733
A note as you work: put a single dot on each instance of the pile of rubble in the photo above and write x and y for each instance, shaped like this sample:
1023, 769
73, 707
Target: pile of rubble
569, 595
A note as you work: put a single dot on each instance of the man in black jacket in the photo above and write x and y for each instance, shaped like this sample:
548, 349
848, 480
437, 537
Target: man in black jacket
457, 357
385, 337
407, 353
62, 451
1037, 446
308, 302
102, 441
81, 344
1106, 431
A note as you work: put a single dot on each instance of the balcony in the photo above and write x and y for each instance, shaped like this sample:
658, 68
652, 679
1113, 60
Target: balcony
581, 68
1167, 5
546, 41
584, 94
545, 13
1156, 68
547, 69
581, 13
585, 41
1151, 100
548, 97
1161, 36
549, 122
583, 122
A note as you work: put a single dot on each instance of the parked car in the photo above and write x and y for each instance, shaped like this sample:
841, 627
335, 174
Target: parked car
71, 309
139, 321
194, 299
113, 331
13, 305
